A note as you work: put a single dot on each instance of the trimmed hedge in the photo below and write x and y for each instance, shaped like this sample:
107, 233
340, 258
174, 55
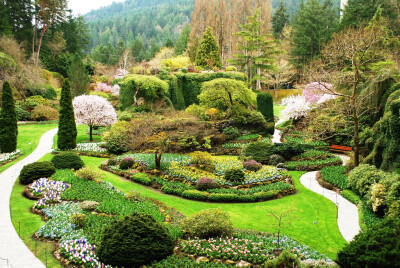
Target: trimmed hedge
8, 121
265, 105
351, 196
35, 171
67, 160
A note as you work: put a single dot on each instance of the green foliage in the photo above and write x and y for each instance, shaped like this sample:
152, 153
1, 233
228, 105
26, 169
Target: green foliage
182, 261
275, 159
351, 196
231, 132
78, 219
194, 194
307, 165
234, 175
89, 205
134, 87
8, 121
175, 92
362, 177
35, 171
22, 115
46, 91
116, 139
31, 102
67, 160
207, 223
279, 20
101, 94
208, 54
285, 259
126, 163
78, 76
203, 160
66, 125
88, 173
141, 178
259, 151
231, 69
265, 105
181, 43
44, 113
335, 175
225, 93
134, 241
376, 247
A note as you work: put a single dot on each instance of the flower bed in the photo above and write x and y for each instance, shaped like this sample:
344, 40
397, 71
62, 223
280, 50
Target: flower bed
307, 165
50, 191
93, 149
8, 157
252, 246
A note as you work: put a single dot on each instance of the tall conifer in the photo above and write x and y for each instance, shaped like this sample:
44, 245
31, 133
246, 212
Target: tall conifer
208, 52
279, 20
8, 121
66, 125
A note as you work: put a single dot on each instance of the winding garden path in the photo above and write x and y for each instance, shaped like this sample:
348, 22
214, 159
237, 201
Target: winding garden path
348, 220
13, 251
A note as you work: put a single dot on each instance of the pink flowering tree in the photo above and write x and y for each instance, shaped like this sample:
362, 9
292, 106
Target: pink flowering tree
314, 91
296, 107
93, 111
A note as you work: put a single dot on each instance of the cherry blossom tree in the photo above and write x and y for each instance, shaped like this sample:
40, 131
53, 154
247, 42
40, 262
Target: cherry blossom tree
314, 91
93, 111
296, 107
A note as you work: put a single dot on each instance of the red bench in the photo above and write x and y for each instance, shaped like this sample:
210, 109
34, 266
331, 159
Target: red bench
340, 148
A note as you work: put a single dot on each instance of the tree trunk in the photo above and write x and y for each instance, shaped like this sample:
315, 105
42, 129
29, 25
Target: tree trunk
91, 132
157, 156
39, 45
356, 138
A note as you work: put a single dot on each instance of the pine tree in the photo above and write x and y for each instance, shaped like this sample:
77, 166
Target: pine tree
265, 105
181, 43
169, 43
256, 48
279, 20
208, 52
66, 125
79, 76
8, 121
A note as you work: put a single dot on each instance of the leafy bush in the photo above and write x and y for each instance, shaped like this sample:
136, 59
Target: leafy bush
22, 115
285, 259
203, 160
376, 247
116, 140
206, 183
126, 163
259, 151
231, 69
351, 196
252, 165
112, 162
362, 177
141, 178
234, 175
134, 241
30, 103
88, 173
275, 159
67, 160
89, 205
78, 219
35, 171
288, 149
207, 223
231, 132
44, 113
194, 194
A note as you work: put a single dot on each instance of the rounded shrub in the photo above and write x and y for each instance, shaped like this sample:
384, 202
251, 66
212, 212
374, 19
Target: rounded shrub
207, 223
285, 259
88, 174
78, 219
44, 113
234, 175
362, 177
67, 160
126, 163
89, 205
231, 69
252, 165
206, 183
231, 132
259, 151
203, 160
134, 241
112, 162
275, 159
378, 246
35, 171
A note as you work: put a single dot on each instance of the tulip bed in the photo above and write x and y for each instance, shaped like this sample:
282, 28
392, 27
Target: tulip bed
7, 157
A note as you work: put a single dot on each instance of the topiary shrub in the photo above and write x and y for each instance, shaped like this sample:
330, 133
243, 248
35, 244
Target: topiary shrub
67, 160
265, 105
126, 163
235, 175
285, 259
8, 121
259, 151
206, 183
207, 223
378, 246
35, 171
88, 173
275, 159
66, 124
134, 241
252, 165
89, 205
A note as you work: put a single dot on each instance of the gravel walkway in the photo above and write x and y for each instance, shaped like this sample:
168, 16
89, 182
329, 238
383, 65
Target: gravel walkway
13, 251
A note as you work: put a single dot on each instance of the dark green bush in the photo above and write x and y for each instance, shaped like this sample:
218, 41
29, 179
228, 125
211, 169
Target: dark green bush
265, 105
235, 175
288, 149
351, 196
35, 171
194, 194
66, 124
231, 132
207, 223
275, 159
22, 115
362, 177
126, 163
224, 197
67, 160
259, 151
378, 246
49, 92
335, 175
8, 121
134, 241
112, 162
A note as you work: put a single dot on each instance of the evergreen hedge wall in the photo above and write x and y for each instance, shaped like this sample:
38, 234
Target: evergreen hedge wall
8, 121
265, 105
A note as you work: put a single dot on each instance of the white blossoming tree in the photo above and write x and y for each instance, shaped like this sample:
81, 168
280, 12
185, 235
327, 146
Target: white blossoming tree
296, 107
93, 111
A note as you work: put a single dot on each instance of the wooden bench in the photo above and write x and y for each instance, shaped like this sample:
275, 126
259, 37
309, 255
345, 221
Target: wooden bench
340, 148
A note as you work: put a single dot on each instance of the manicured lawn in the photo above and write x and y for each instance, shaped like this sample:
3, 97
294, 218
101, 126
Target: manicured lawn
277, 109
28, 139
82, 136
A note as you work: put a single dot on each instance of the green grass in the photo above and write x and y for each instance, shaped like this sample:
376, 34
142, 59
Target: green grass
28, 139
277, 109
82, 136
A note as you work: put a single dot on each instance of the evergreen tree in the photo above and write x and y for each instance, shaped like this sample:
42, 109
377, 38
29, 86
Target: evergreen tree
138, 49
265, 105
66, 125
256, 48
183, 40
79, 76
8, 121
313, 25
279, 20
169, 43
208, 51
154, 48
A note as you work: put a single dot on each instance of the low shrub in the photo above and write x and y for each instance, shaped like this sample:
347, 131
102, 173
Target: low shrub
231, 69
88, 173
112, 162
287, 149
207, 223
275, 159
203, 160
235, 175
351, 196
285, 259
141, 178
362, 177
252, 165
22, 115
231, 132
265, 195
206, 183
44, 113
134, 241
224, 197
78, 219
259, 151
126, 163
67, 160
35, 171
194, 194
89, 205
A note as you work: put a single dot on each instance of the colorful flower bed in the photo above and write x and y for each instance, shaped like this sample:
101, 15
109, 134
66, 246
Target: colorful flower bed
93, 149
252, 246
7, 157
49, 190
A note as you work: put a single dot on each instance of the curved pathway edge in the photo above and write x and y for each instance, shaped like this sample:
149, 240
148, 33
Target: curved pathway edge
11, 246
